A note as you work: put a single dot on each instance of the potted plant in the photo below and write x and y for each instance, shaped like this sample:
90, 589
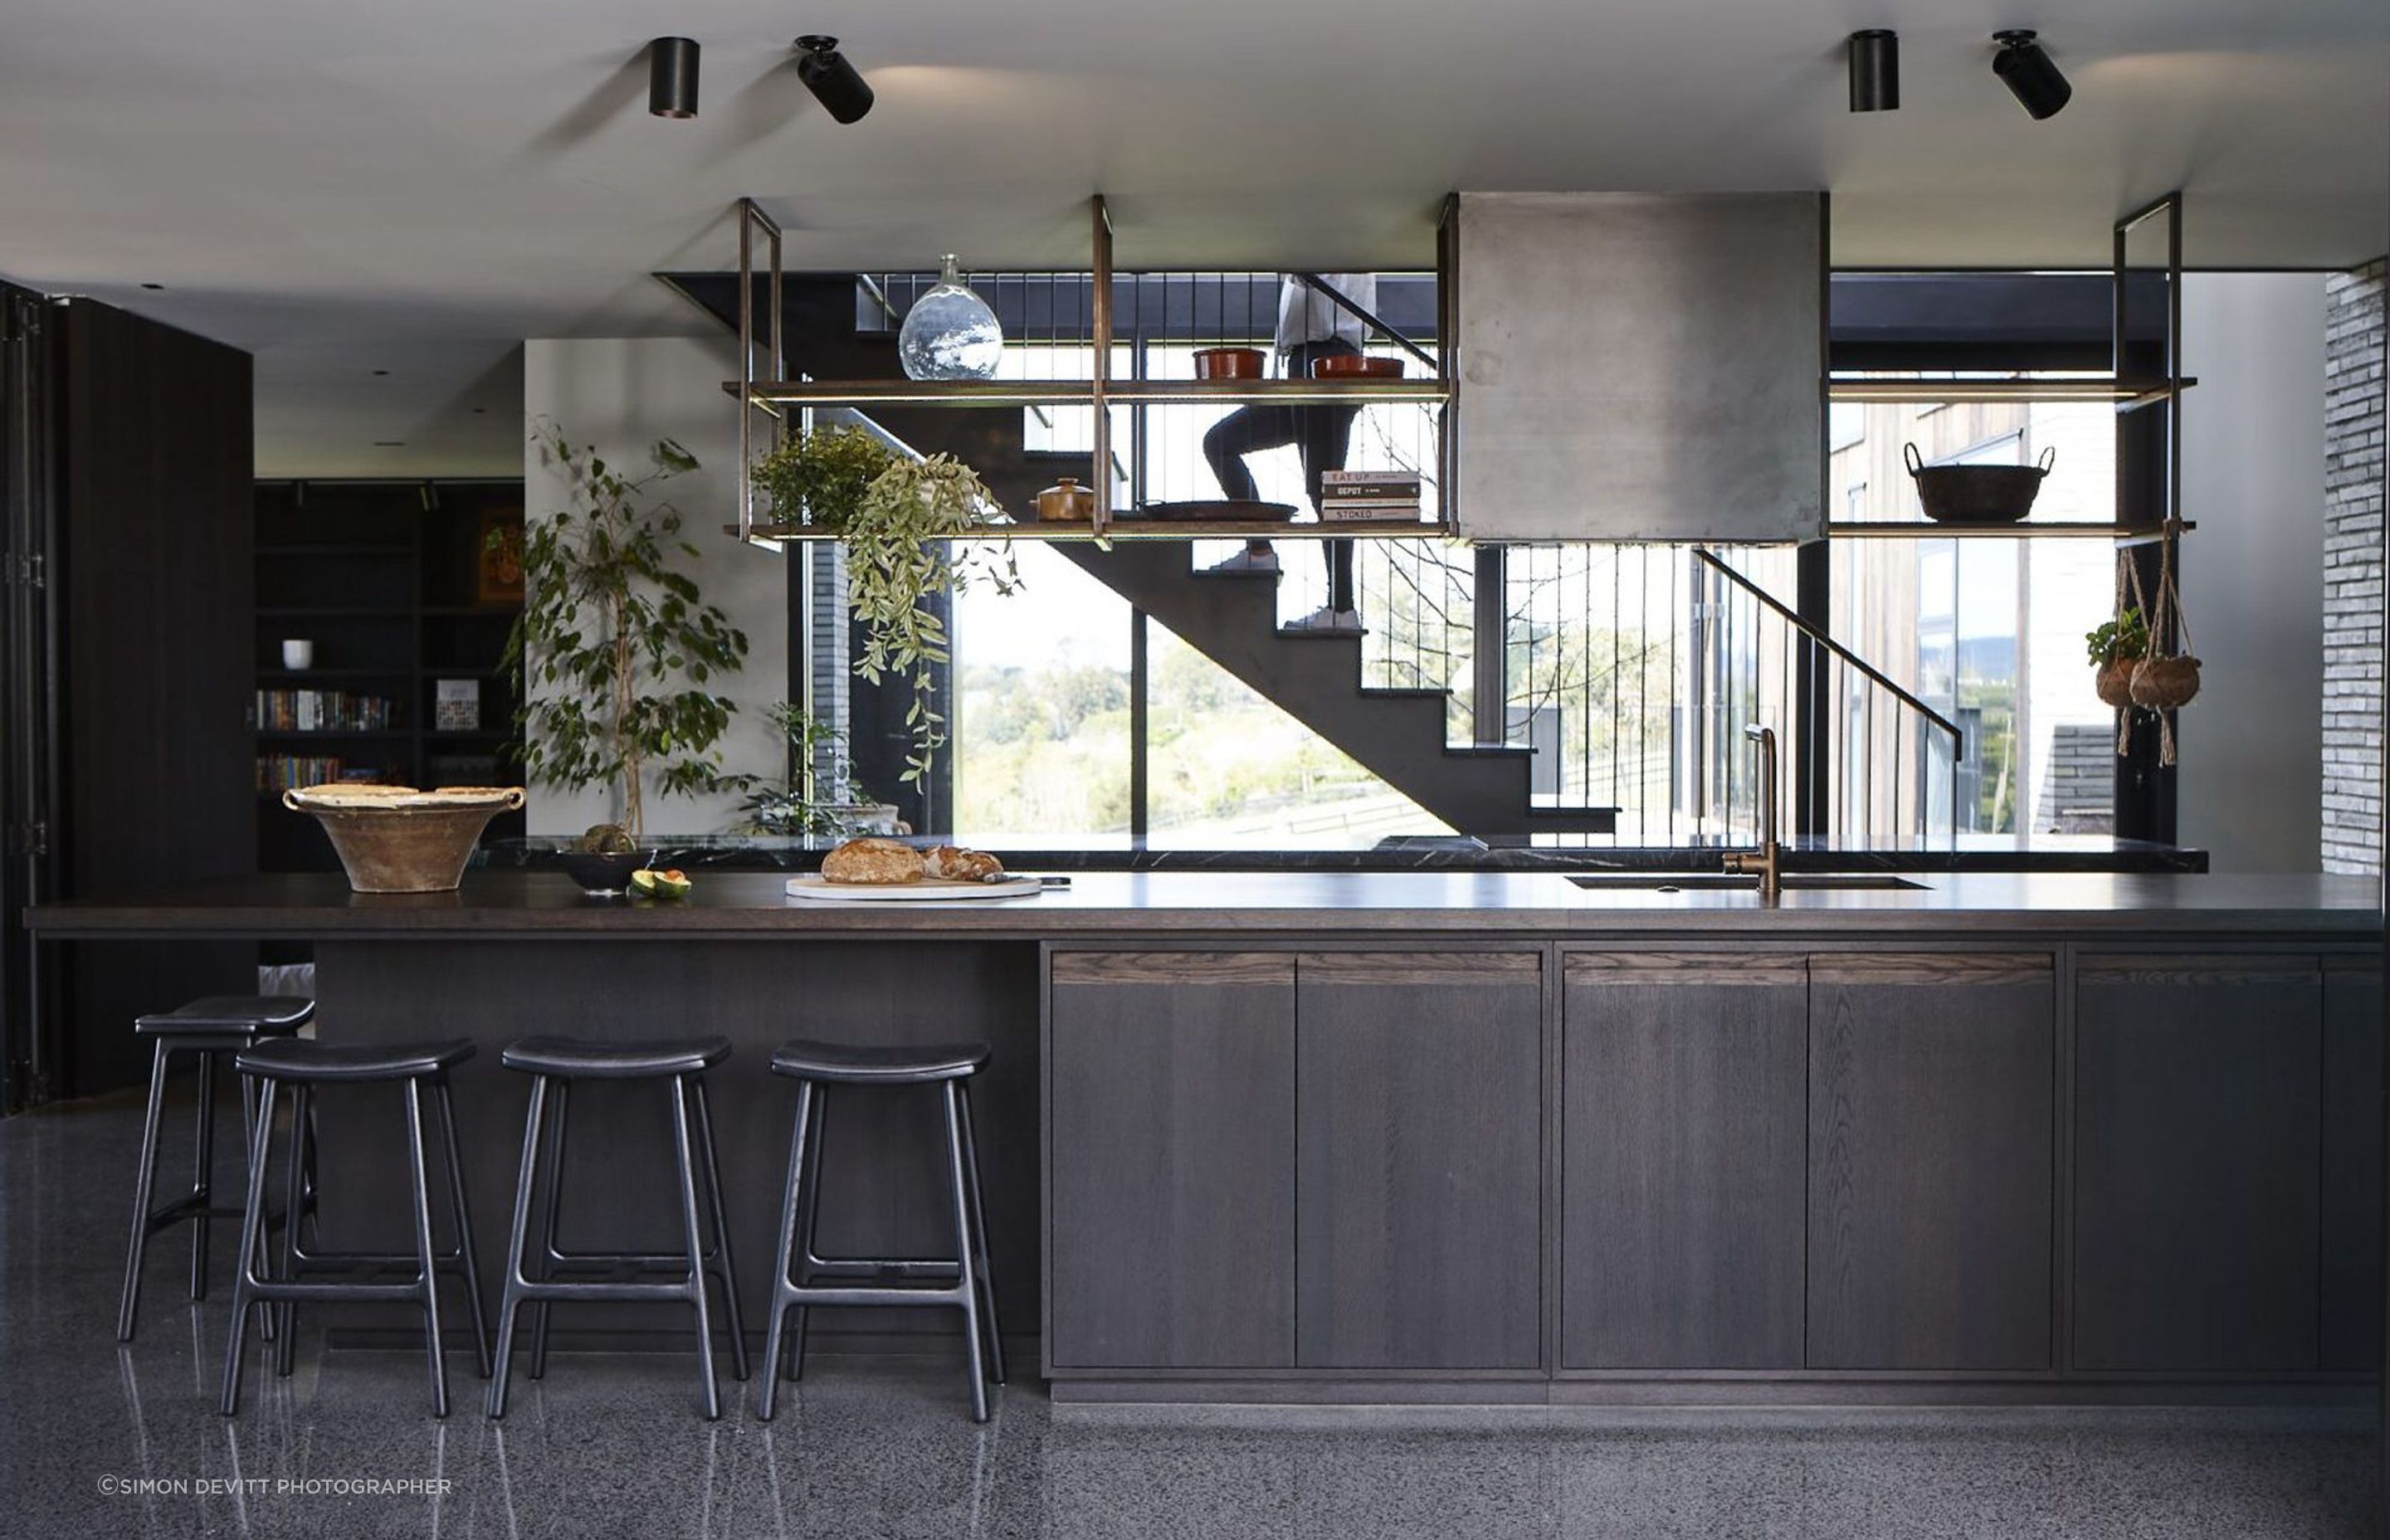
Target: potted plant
911, 527
2117, 647
808, 801
616, 649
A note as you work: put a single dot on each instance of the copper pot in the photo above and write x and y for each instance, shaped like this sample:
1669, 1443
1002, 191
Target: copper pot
1229, 363
1350, 366
1066, 501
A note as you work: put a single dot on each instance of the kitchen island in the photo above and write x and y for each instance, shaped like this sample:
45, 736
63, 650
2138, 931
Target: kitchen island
1477, 1135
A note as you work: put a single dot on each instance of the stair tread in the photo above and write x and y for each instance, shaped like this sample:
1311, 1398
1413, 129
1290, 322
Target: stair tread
1486, 750
1297, 633
1404, 692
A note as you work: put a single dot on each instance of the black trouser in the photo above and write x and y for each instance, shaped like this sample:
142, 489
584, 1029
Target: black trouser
1320, 434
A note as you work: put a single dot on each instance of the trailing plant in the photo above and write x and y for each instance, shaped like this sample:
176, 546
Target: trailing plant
806, 801
2123, 640
616, 638
911, 527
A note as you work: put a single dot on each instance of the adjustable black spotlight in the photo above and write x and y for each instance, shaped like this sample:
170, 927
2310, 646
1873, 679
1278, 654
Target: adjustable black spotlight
672, 77
833, 80
1875, 71
2029, 75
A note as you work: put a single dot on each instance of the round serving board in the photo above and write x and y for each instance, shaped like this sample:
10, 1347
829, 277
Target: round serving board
811, 885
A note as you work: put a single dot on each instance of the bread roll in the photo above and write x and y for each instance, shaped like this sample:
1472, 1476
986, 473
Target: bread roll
953, 864
872, 862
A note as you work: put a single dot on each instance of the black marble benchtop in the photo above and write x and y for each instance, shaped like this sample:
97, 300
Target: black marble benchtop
1320, 905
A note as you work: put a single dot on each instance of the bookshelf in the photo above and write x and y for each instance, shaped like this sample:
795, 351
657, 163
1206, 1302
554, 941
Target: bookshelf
383, 579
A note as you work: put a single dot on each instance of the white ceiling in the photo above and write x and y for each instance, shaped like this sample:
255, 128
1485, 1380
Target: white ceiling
418, 186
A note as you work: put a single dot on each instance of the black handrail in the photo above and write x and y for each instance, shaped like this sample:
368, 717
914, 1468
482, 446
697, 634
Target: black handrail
1365, 317
1868, 670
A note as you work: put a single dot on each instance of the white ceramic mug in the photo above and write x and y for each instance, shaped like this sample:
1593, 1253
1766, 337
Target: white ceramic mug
298, 653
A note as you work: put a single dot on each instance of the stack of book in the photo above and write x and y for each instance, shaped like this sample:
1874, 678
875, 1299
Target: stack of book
1369, 497
283, 772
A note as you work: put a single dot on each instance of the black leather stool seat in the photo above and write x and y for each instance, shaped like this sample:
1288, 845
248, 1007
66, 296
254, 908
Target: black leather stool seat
220, 1014
297, 1059
846, 1063
626, 1058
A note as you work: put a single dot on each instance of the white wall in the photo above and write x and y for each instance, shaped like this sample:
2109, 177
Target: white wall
622, 394
2252, 572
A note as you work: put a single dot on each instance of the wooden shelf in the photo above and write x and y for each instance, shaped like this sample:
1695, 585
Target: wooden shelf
1080, 393
1153, 529
372, 734
2027, 530
2128, 394
335, 548
331, 613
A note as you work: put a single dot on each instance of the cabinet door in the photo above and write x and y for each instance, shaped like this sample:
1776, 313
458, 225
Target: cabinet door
2196, 1103
1930, 1110
1420, 1242
1682, 1136
1170, 1146
2352, 1164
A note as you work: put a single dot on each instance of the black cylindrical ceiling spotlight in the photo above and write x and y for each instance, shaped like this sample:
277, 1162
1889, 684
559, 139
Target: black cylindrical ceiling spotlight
672, 77
833, 80
1875, 71
2031, 78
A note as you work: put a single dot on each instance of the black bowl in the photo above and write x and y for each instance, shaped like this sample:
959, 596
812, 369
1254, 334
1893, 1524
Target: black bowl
602, 876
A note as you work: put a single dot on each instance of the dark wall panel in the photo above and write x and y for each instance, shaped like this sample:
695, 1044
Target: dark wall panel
155, 439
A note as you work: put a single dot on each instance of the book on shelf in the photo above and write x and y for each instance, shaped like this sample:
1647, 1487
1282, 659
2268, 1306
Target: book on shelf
287, 711
457, 705
1355, 511
1370, 478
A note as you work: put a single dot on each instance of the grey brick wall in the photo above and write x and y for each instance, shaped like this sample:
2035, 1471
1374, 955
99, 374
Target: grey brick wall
2354, 370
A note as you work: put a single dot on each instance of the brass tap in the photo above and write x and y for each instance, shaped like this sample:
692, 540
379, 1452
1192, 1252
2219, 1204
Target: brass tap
1768, 861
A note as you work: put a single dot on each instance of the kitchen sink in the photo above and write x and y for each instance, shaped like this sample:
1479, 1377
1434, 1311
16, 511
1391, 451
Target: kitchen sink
1693, 882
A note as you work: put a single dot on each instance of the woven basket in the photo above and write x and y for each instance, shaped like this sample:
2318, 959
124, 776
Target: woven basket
408, 849
2115, 682
2163, 684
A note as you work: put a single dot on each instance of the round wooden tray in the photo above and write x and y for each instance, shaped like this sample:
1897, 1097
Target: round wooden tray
811, 885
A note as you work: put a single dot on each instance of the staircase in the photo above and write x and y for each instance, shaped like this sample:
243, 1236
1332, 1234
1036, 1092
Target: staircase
1313, 676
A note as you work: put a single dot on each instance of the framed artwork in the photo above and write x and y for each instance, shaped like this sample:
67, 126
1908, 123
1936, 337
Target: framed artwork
497, 571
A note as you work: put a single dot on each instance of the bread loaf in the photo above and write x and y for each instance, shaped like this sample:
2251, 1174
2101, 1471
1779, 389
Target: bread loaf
872, 862
953, 864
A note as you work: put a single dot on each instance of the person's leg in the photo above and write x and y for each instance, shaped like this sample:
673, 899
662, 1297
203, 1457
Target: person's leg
1247, 431
1341, 598
1327, 441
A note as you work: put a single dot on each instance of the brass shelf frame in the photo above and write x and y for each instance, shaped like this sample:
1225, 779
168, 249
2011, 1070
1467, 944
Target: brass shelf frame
767, 399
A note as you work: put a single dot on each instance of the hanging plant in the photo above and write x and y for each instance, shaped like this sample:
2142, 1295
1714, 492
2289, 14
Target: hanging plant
616, 638
2117, 647
911, 527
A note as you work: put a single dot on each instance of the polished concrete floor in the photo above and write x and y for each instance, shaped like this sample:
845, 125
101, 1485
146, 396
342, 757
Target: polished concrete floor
99, 1441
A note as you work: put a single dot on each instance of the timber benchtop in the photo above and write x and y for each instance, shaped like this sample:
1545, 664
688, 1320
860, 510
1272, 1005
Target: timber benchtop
1318, 904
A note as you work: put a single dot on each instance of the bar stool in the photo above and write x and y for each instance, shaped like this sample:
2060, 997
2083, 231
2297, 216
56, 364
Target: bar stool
209, 1028
963, 1282
304, 1066
555, 1063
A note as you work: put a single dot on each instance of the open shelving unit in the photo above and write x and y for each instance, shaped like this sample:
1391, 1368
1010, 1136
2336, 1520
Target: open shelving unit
380, 576
768, 399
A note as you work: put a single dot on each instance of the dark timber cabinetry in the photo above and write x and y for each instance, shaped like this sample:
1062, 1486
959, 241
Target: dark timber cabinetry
1614, 1166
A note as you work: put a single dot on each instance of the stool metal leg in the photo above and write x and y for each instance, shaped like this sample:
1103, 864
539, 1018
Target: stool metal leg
519, 1232
783, 1256
204, 1173
809, 1219
287, 1345
444, 1106
723, 1266
249, 1152
252, 1228
967, 1285
985, 1274
419, 1174
696, 1247
549, 1195
130, 1299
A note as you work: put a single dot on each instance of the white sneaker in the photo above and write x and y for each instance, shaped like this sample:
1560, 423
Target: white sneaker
1249, 560
1324, 619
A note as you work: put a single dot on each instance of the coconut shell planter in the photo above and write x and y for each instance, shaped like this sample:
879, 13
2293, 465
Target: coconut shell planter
2115, 682
2163, 684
